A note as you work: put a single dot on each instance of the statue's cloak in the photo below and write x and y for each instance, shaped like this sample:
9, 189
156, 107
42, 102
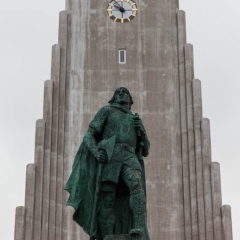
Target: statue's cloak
82, 186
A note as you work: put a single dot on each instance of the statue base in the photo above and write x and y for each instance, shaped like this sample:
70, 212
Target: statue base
118, 237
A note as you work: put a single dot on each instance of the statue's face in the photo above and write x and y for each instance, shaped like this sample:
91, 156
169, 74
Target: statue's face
122, 96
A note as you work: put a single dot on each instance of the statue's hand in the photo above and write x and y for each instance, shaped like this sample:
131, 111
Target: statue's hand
102, 156
138, 124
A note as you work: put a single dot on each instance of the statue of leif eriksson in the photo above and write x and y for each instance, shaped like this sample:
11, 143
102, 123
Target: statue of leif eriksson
107, 184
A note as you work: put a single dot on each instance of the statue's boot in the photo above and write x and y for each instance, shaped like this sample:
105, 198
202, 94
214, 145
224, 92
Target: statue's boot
106, 221
138, 207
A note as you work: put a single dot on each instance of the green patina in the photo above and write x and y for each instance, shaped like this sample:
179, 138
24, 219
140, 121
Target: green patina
107, 184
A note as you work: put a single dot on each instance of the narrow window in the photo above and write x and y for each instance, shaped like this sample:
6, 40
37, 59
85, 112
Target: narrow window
122, 56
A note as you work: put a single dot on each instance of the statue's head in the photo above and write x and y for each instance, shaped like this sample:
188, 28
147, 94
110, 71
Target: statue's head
122, 96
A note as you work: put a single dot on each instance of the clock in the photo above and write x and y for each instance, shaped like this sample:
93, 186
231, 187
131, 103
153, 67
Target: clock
122, 10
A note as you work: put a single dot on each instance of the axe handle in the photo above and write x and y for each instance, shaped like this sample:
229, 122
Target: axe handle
140, 158
97, 192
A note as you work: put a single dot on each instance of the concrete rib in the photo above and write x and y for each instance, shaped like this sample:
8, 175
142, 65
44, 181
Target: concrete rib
183, 110
68, 5
60, 152
227, 222
29, 201
216, 200
189, 68
47, 116
207, 159
67, 217
38, 161
55, 72
19, 230
197, 110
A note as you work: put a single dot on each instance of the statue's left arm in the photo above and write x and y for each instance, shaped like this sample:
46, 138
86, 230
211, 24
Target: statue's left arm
144, 138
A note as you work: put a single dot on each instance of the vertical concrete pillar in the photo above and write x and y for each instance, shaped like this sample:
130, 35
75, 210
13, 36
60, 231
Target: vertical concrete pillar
67, 217
227, 223
29, 201
197, 111
189, 68
77, 89
68, 5
181, 21
47, 116
216, 200
61, 111
38, 162
207, 159
55, 72
19, 223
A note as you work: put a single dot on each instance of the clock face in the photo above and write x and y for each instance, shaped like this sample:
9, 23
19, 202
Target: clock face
122, 10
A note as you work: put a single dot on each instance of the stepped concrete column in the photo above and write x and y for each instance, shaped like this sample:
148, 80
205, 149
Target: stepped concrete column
207, 159
47, 116
189, 68
55, 72
227, 222
38, 162
67, 157
29, 201
181, 21
68, 5
62, 40
197, 111
216, 200
19, 223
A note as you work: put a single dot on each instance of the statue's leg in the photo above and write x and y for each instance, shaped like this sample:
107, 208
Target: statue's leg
133, 179
106, 216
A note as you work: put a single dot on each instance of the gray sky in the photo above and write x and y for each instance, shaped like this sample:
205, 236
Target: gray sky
29, 29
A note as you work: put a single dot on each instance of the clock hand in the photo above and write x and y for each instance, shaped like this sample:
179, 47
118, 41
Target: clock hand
117, 6
117, 3
120, 8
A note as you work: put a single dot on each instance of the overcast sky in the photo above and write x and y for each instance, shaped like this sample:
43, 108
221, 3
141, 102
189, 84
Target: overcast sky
29, 29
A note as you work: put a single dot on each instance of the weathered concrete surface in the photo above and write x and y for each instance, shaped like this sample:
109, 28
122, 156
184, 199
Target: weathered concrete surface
67, 211
184, 131
38, 162
207, 159
29, 201
216, 199
62, 39
68, 5
55, 75
47, 116
151, 74
19, 223
227, 222
189, 68
197, 116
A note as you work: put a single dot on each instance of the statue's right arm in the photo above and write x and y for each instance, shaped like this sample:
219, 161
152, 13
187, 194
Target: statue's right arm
95, 128
90, 141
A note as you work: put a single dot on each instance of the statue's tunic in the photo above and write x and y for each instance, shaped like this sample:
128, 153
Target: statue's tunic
115, 120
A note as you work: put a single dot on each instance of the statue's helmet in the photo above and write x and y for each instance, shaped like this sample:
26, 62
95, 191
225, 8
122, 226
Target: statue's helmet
130, 97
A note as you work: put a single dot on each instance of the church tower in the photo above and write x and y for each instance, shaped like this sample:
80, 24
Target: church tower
144, 49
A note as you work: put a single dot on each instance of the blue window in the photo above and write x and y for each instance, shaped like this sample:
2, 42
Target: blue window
122, 56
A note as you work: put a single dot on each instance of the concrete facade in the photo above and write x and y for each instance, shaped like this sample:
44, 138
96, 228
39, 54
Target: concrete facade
183, 185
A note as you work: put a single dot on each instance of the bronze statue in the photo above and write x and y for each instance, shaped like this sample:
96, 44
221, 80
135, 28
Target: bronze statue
107, 185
